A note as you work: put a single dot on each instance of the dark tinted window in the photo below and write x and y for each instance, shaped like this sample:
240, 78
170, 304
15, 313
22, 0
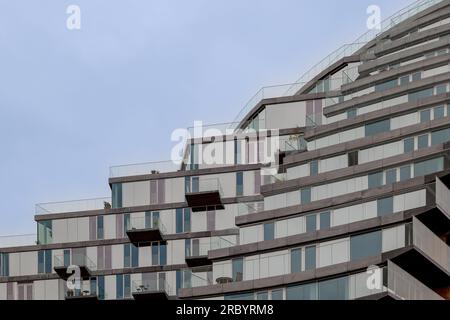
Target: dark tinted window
365, 245
378, 127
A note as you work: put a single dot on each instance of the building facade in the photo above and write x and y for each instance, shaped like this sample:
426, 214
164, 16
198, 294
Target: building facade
334, 187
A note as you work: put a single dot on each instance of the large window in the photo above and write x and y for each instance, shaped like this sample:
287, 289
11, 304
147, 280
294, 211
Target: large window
334, 289
377, 127
269, 231
302, 292
296, 260
237, 269
152, 219
310, 258
44, 229
325, 220
408, 145
414, 96
375, 179
159, 254
305, 195
391, 176
386, 85
101, 287
117, 195
123, 286
239, 184
45, 261
428, 166
385, 206
4, 264
405, 173
440, 136
183, 220
130, 255
311, 223
365, 245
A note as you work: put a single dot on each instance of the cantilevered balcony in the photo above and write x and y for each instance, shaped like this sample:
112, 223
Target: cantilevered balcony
197, 252
151, 289
66, 265
427, 258
77, 295
146, 229
205, 193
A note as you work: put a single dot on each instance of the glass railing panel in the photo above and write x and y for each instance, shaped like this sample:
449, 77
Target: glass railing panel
75, 259
138, 169
158, 284
148, 222
73, 205
17, 240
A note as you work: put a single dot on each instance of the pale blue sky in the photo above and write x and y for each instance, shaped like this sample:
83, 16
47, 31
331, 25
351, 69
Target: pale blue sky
72, 103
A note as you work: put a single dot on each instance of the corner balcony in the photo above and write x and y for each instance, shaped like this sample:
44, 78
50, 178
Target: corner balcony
197, 254
151, 289
143, 230
61, 264
207, 193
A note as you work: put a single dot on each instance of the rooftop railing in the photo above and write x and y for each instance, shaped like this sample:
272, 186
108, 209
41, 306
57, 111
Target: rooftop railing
17, 240
138, 169
344, 51
73, 205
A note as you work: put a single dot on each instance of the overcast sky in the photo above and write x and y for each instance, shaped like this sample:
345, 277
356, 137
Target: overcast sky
73, 103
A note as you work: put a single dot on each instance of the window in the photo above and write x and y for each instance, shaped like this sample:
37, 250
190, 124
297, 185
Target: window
296, 260
45, 261
416, 76
441, 89
277, 294
405, 173
237, 266
440, 136
425, 115
101, 287
334, 289
352, 158
152, 220
44, 231
429, 166
264, 295
240, 296
100, 230
386, 85
126, 223
310, 258
183, 220
302, 292
159, 254
239, 184
117, 195
311, 223
418, 95
422, 141
314, 168
375, 179
25, 291
305, 195
391, 176
385, 206
4, 264
365, 245
269, 231
439, 112
130, 255
408, 145
377, 127
119, 286
404, 80
352, 113
325, 220
66, 257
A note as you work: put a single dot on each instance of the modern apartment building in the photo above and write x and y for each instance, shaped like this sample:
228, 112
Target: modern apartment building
334, 187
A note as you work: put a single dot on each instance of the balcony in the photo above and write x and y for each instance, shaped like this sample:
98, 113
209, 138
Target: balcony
61, 264
73, 206
151, 289
206, 193
80, 295
197, 253
427, 258
17, 240
143, 230
138, 169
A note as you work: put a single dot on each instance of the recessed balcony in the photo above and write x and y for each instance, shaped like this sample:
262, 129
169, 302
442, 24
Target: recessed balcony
67, 265
203, 194
144, 230
151, 289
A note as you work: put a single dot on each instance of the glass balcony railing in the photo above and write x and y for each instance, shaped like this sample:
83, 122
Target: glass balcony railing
17, 240
244, 208
73, 206
194, 280
203, 247
148, 222
206, 185
138, 169
151, 286
76, 259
